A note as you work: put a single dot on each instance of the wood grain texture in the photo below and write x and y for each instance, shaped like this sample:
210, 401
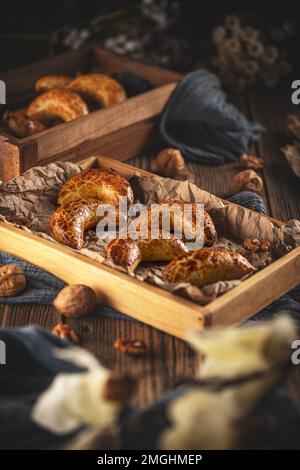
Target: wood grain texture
10, 159
270, 108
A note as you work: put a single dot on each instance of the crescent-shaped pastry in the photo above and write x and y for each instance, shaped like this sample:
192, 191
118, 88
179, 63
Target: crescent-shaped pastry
63, 105
99, 88
207, 265
20, 125
51, 81
105, 185
128, 253
188, 223
69, 222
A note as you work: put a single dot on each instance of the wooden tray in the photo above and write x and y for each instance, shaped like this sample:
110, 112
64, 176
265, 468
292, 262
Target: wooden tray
84, 136
143, 301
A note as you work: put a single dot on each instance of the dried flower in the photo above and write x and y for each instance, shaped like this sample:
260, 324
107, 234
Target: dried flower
255, 49
232, 22
232, 46
218, 34
249, 34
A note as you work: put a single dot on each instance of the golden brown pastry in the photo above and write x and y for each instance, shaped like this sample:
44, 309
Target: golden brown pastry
99, 183
20, 125
207, 265
128, 253
210, 234
69, 222
63, 105
51, 81
98, 88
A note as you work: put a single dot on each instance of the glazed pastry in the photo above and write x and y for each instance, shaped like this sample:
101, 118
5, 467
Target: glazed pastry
20, 125
210, 234
51, 81
128, 253
98, 88
99, 183
207, 265
69, 222
63, 105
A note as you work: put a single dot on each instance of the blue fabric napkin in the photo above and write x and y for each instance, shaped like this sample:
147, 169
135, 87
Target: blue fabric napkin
200, 122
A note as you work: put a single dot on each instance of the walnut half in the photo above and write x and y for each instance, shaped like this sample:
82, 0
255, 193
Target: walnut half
12, 280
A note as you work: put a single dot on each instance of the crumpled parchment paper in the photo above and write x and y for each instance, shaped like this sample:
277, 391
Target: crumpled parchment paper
28, 201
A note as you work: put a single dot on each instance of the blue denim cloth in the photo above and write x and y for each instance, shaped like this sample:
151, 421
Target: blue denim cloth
200, 122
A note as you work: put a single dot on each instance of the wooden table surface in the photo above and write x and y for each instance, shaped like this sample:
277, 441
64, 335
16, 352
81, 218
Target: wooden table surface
170, 359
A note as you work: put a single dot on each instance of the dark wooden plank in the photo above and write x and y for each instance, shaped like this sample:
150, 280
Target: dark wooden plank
20, 315
270, 107
168, 358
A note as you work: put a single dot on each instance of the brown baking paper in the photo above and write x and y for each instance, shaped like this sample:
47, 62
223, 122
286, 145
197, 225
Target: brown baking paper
28, 201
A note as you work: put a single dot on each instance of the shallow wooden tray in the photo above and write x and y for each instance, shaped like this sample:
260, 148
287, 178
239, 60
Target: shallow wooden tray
145, 302
82, 137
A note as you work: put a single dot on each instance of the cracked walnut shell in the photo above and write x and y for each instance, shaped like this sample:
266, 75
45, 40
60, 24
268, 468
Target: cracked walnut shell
12, 280
75, 301
170, 162
247, 180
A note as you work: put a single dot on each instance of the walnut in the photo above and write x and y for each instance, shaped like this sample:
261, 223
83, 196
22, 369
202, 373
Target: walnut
251, 245
131, 347
256, 245
65, 332
170, 162
75, 301
265, 245
247, 180
252, 162
12, 280
119, 387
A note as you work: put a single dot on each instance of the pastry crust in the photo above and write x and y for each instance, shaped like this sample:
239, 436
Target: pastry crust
105, 185
69, 222
63, 105
188, 223
207, 265
99, 88
48, 82
20, 125
128, 253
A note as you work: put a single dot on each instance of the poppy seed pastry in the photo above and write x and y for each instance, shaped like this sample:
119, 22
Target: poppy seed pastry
99, 183
207, 265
